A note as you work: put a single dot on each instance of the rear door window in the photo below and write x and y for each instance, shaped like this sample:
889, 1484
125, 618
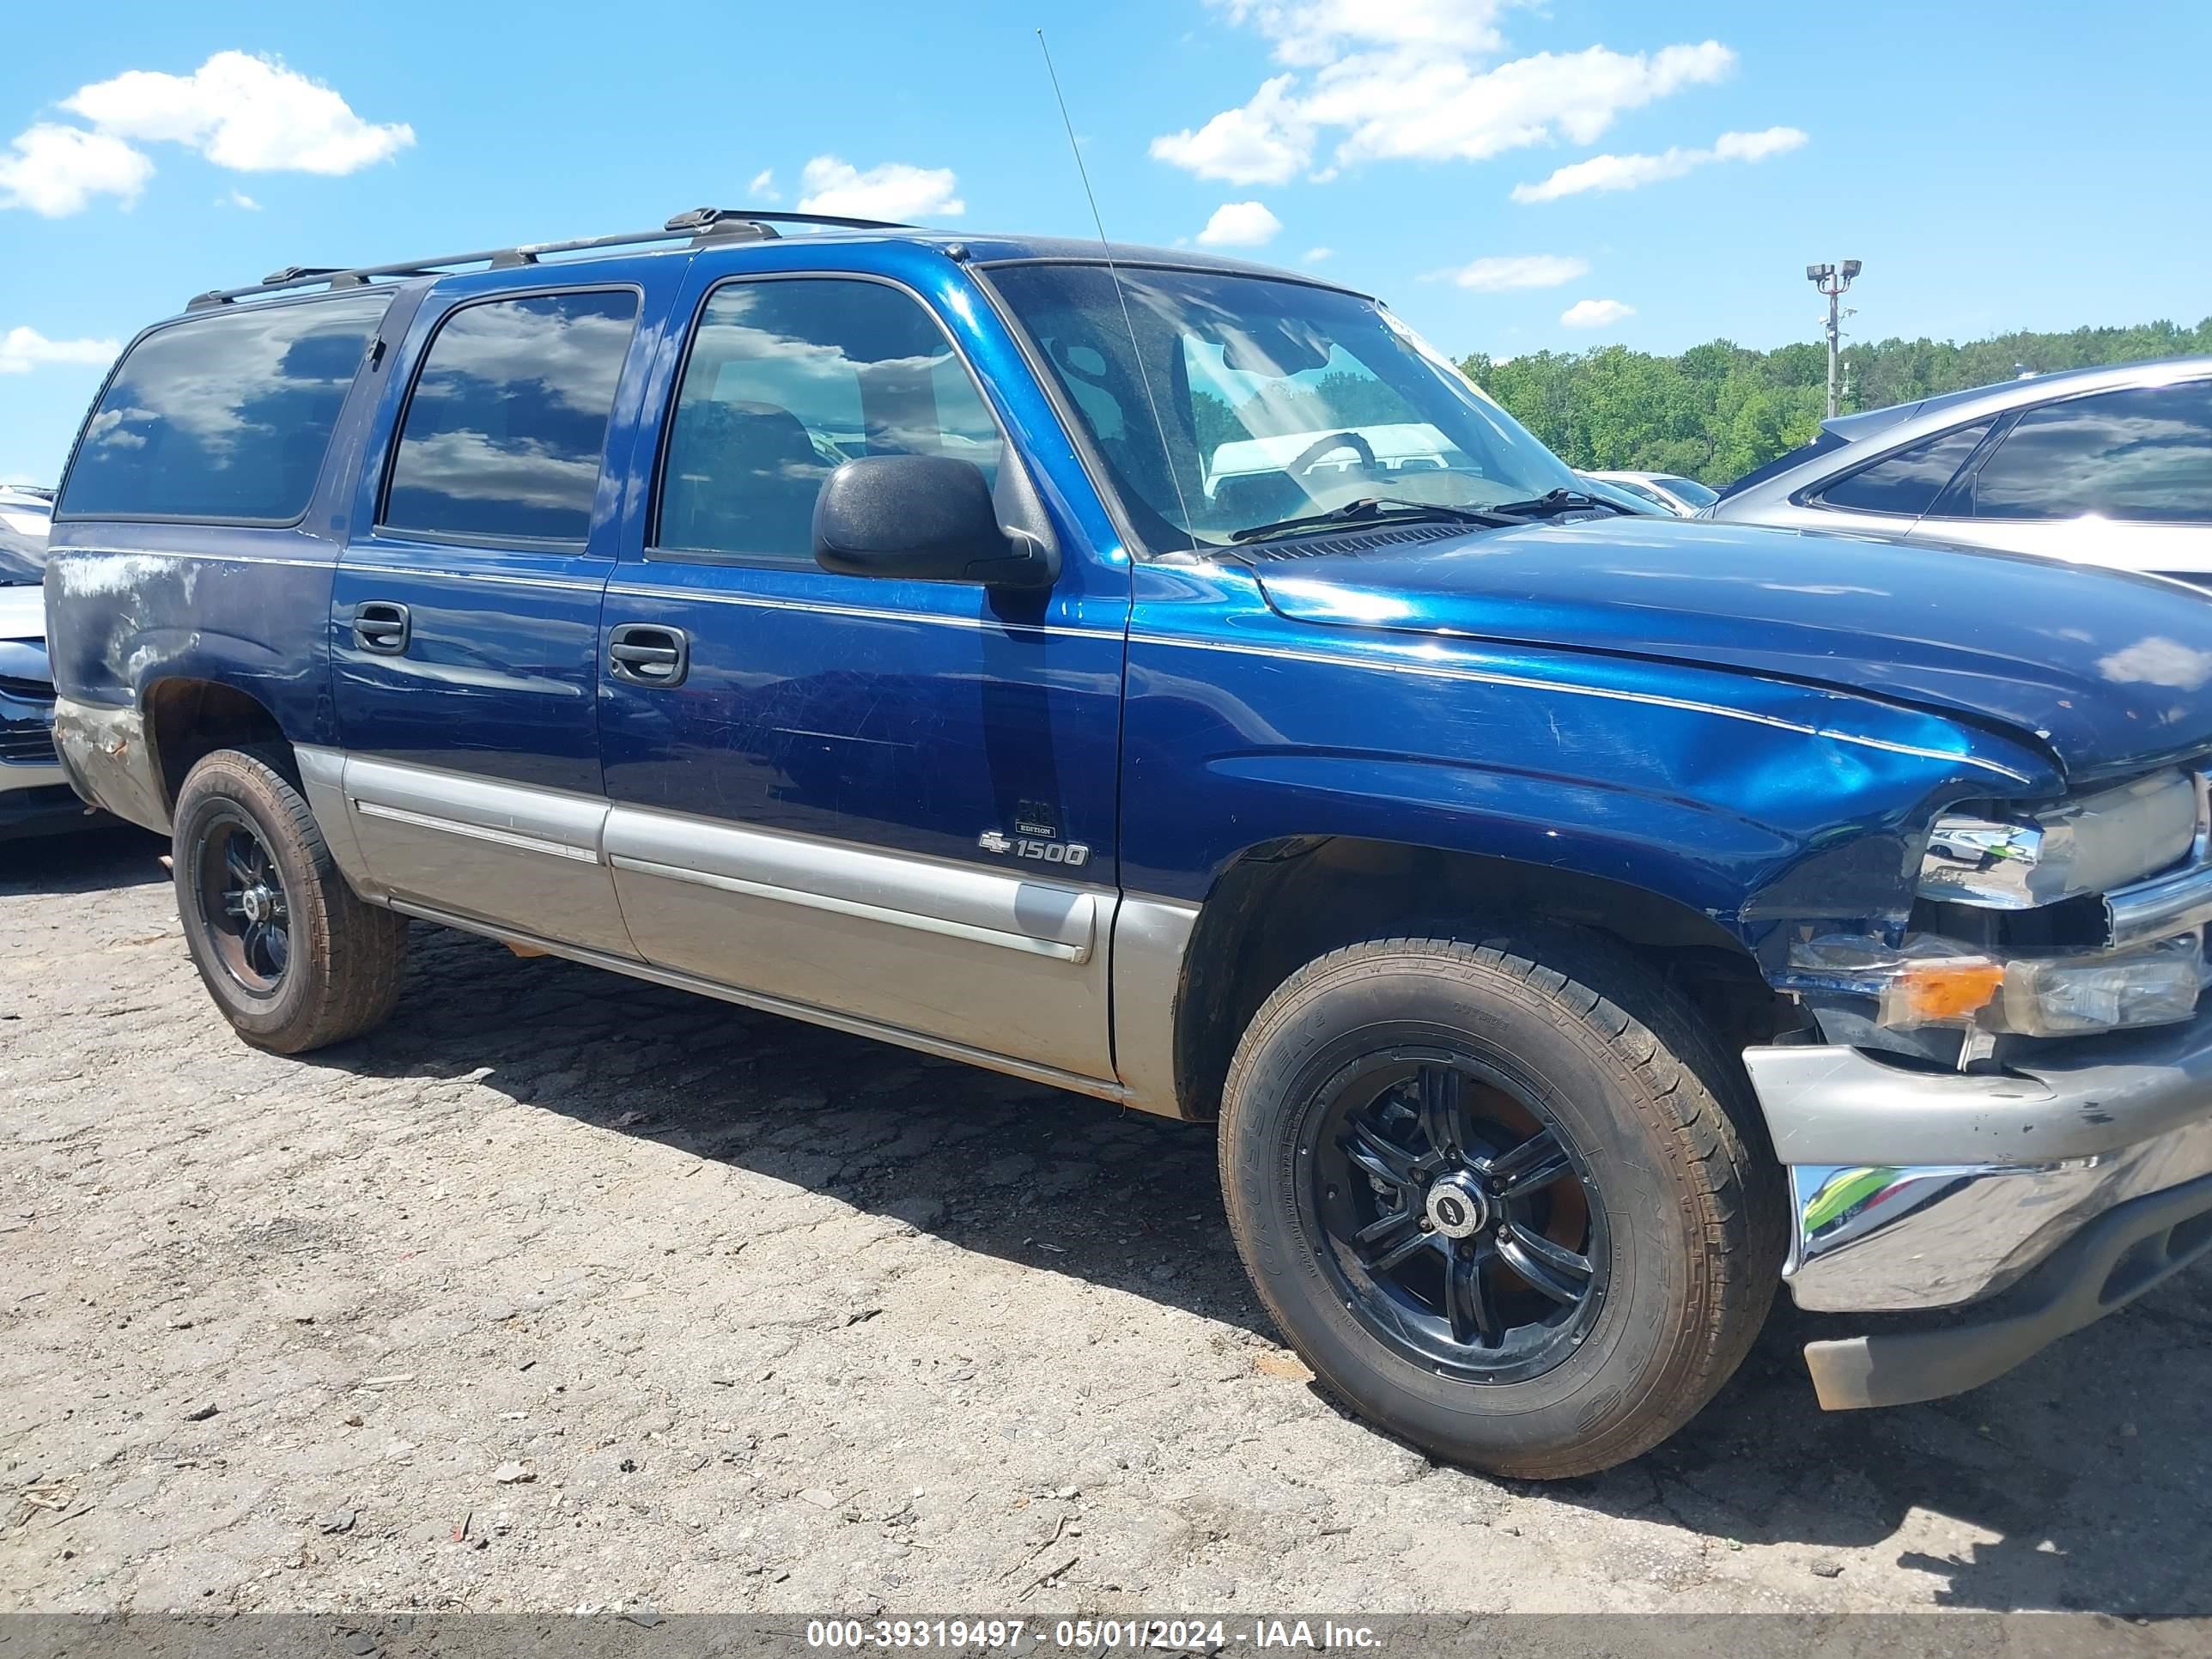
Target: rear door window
1907, 483
2143, 454
224, 418
507, 426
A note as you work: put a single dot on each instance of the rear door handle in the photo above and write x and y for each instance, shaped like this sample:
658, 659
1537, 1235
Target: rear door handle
382, 627
646, 653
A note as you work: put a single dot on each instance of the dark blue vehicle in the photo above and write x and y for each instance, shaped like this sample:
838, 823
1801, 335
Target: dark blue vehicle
1170, 679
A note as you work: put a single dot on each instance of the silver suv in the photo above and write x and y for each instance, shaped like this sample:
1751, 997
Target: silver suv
2108, 466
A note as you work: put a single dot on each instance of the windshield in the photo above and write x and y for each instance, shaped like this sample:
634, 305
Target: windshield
1690, 490
1277, 400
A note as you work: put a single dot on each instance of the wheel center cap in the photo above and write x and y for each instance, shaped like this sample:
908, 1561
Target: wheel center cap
1457, 1206
258, 903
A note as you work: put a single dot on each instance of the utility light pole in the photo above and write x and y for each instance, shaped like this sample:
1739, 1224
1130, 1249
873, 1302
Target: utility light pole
1833, 281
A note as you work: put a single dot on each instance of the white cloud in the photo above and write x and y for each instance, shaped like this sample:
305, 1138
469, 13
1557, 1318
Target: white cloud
238, 199
1314, 32
762, 188
893, 190
1240, 224
1314, 256
1631, 172
1595, 313
22, 349
248, 113
1266, 142
55, 170
1498, 272
1411, 81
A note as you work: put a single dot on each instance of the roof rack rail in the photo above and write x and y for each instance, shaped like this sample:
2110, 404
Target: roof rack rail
702, 225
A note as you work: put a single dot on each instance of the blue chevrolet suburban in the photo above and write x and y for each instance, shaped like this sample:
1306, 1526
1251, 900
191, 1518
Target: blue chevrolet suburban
1170, 680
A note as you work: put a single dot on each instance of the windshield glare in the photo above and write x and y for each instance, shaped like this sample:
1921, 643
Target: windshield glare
1277, 400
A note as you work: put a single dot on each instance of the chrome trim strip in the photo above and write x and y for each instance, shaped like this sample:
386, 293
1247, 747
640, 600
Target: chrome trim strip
1152, 936
865, 613
331, 564
523, 815
1051, 1076
2157, 910
1397, 665
526, 855
513, 579
843, 907
989, 905
474, 831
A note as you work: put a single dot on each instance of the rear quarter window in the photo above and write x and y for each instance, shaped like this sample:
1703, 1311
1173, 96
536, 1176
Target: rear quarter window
224, 418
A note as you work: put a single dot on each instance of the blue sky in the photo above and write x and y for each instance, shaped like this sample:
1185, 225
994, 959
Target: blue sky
1511, 175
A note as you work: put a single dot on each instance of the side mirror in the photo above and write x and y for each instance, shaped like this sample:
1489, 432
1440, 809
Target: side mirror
930, 518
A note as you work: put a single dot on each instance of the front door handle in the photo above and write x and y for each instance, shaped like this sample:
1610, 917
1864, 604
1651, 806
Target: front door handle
646, 653
382, 627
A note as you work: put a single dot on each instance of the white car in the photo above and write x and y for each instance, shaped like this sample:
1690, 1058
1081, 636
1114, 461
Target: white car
1684, 497
2104, 466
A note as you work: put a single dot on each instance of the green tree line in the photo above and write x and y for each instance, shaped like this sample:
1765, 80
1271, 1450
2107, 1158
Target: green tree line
1717, 410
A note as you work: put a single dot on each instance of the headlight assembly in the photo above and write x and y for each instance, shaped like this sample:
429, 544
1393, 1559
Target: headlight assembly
1929, 981
2088, 844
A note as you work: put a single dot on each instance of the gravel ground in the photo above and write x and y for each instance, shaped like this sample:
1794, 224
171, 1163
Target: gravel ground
566, 1292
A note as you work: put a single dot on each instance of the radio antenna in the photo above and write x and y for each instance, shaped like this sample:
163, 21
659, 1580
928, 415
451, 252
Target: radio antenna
1136, 352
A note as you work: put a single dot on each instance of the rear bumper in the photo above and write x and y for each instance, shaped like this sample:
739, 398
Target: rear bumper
1914, 1191
105, 753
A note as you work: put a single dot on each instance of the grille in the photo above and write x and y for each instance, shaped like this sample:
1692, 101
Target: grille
26, 745
1356, 541
25, 690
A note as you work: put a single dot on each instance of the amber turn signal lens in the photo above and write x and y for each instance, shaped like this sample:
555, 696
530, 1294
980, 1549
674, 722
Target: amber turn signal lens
1931, 993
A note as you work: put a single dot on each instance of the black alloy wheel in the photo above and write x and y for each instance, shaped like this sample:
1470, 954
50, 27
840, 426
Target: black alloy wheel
243, 904
1464, 1230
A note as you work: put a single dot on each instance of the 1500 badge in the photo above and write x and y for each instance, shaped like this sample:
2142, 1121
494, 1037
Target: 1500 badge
1072, 853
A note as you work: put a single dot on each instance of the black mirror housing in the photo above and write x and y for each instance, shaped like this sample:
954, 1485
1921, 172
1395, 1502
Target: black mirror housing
932, 518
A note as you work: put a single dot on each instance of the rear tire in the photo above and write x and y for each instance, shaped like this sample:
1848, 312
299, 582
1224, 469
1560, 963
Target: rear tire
1501, 1196
292, 957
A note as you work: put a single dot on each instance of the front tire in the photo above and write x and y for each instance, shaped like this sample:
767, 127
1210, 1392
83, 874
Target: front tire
1499, 1196
295, 960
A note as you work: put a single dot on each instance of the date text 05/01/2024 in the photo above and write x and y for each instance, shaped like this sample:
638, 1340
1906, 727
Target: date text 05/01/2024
1165, 1635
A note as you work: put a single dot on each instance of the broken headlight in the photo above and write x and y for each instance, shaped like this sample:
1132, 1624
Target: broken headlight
1929, 981
2087, 844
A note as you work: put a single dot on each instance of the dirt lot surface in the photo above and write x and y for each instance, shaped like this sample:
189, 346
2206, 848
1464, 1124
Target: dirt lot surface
566, 1292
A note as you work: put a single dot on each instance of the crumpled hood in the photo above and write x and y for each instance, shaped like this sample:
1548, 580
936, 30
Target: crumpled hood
22, 613
2106, 670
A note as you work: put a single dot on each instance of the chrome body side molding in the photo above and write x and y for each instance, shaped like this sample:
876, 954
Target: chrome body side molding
988, 965
835, 1019
991, 961
511, 853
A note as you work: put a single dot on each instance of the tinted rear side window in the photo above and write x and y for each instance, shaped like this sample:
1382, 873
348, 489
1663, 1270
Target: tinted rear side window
2143, 454
1908, 482
1781, 464
225, 416
508, 422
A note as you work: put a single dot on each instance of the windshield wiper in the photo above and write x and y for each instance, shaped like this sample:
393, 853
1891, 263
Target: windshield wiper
1376, 509
1554, 502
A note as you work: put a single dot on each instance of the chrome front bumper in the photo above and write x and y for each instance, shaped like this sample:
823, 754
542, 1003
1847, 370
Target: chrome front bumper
1914, 1189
